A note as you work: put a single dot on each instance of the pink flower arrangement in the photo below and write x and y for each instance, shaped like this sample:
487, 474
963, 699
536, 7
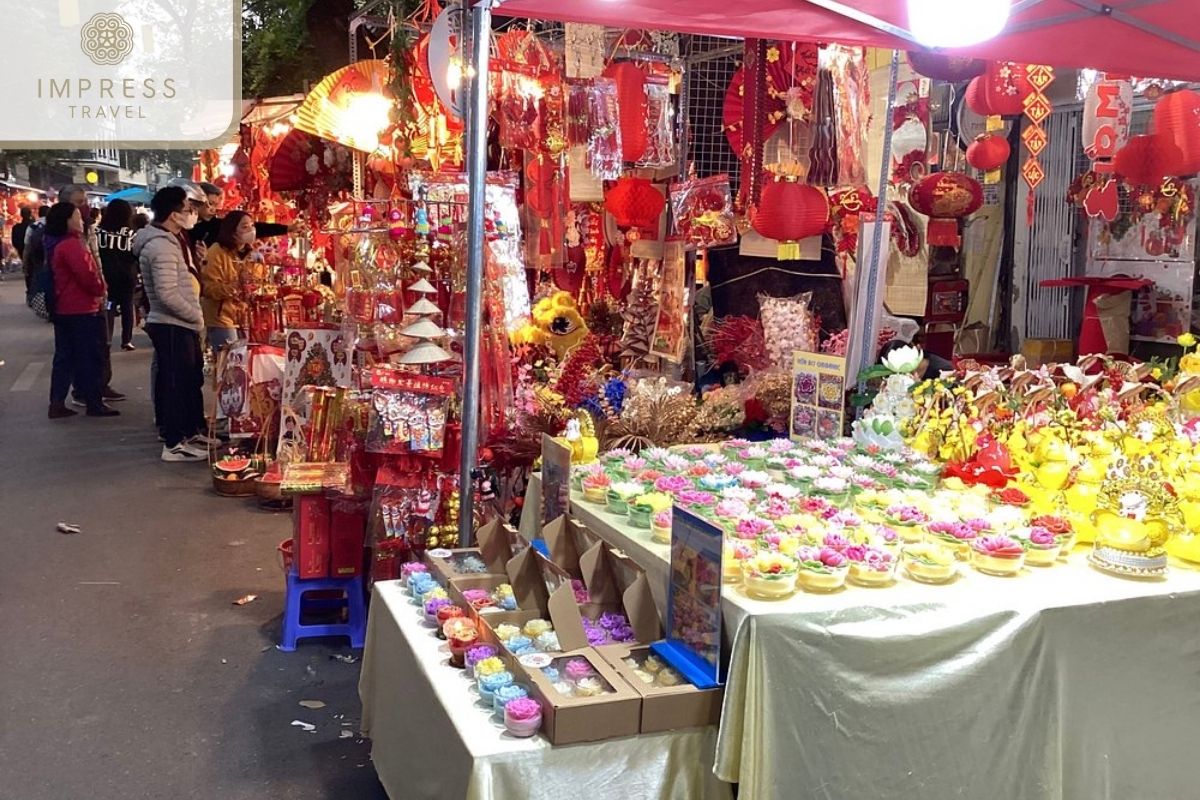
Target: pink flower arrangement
856, 552
751, 527
694, 497
522, 709
731, 509
634, 464
672, 484
835, 541
738, 444
999, 546
956, 530
906, 515
734, 468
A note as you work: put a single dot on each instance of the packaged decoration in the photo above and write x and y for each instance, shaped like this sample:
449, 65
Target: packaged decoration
703, 212
788, 325
408, 415
593, 120
660, 125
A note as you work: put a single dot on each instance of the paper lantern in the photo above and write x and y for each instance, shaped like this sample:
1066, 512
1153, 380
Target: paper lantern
1177, 120
989, 151
952, 69
946, 197
1146, 160
632, 107
976, 98
635, 203
789, 211
1006, 85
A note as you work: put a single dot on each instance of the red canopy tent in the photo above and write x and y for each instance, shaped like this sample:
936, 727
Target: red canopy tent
1147, 38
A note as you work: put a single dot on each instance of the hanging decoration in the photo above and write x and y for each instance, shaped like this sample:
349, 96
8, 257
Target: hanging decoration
1107, 113
823, 155
1177, 120
788, 211
1006, 85
989, 151
946, 197
349, 106
1146, 160
632, 108
942, 67
635, 203
789, 80
1037, 107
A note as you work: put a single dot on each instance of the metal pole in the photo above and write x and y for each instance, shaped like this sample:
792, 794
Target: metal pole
877, 243
481, 24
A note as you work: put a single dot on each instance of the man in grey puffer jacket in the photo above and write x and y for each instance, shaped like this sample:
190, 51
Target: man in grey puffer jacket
174, 324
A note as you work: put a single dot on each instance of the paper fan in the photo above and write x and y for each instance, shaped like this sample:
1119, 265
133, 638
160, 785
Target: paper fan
288, 168
349, 106
790, 83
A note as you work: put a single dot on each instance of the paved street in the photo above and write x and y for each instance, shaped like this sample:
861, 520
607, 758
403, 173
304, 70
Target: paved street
126, 671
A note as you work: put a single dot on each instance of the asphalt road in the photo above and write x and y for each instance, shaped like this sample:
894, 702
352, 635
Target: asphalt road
126, 671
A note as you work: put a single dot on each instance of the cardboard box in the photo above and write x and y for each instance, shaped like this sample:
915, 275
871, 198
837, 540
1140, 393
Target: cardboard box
567, 719
495, 543
522, 572
664, 708
601, 567
347, 533
1048, 351
567, 539
310, 535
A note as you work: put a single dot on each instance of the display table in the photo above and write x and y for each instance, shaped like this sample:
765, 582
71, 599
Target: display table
1059, 683
431, 738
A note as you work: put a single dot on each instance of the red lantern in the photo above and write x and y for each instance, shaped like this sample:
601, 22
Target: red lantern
989, 151
1177, 120
631, 102
946, 197
952, 69
976, 98
789, 211
635, 203
1146, 160
1006, 85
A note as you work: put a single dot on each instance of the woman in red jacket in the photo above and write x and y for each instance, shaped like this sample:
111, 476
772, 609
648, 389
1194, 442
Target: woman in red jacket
79, 323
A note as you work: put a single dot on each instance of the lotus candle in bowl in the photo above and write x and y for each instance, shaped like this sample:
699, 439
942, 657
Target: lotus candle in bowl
660, 527
750, 527
1061, 528
754, 479
522, 717
698, 502
871, 566
595, 488
998, 555
769, 576
1041, 547
908, 519
821, 569
929, 563
835, 490
955, 536
645, 506
673, 484
620, 493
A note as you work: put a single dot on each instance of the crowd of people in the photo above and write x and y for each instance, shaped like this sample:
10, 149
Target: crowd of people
179, 275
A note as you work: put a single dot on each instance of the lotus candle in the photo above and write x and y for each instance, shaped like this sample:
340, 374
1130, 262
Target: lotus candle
433, 606
655, 454
1041, 547
717, 482
775, 508
595, 488
660, 527
475, 654
672, 484
620, 493
648, 476
871, 566
782, 490
734, 554
769, 576
751, 527
929, 563
731, 509
754, 479
997, 555
715, 459
739, 493
647, 505
735, 468
957, 536
821, 569
675, 463
522, 717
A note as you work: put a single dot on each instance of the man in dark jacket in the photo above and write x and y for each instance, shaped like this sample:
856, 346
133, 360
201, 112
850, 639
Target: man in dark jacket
206, 229
34, 256
20, 229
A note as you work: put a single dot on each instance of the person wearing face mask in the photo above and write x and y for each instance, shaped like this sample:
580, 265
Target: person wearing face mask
221, 278
170, 275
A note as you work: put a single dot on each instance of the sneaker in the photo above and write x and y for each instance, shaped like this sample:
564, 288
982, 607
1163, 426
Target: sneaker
103, 411
128, 347
75, 401
111, 395
60, 411
203, 440
181, 452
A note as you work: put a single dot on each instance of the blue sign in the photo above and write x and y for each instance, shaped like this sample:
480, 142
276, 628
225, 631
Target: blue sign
693, 643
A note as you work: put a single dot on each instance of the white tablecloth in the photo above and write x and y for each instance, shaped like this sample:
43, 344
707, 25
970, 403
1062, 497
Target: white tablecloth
431, 738
1059, 683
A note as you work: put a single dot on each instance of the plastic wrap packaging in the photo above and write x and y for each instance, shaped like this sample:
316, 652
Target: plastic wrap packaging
660, 126
406, 422
788, 325
604, 139
703, 212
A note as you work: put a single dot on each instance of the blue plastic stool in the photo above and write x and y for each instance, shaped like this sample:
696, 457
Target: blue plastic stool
295, 605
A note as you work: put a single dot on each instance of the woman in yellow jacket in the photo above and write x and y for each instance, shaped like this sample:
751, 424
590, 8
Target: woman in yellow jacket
221, 297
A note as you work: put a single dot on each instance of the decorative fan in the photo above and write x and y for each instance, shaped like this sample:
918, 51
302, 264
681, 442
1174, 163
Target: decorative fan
289, 166
349, 106
791, 81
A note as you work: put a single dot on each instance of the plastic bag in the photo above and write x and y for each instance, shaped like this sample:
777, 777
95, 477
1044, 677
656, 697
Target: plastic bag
604, 139
406, 422
660, 125
703, 212
788, 325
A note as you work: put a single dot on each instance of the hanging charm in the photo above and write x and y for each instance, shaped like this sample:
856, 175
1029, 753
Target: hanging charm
1037, 109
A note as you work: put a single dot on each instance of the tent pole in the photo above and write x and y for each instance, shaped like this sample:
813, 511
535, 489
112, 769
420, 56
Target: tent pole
477, 120
878, 261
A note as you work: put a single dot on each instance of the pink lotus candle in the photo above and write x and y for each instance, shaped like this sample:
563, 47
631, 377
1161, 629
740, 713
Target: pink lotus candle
672, 484
731, 509
752, 527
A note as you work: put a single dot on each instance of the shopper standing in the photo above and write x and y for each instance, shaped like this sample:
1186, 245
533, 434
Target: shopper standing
79, 293
221, 279
33, 260
120, 267
20, 230
172, 287
209, 226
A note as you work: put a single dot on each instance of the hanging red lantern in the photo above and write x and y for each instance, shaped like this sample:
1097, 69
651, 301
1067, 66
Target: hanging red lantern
632, 107
946, 197
1006, 85
940, 67
789, 210
1146, 160
1177, 120
976, 98
989, 151
635, 203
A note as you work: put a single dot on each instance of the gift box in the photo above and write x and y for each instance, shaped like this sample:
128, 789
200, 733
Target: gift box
522, 572
310, 533
570, 718
566, 539
664, 707
615, 585
495, 544
347, 534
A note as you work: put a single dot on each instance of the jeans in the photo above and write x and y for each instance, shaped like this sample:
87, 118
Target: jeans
179, 382
78, 358
125, 304
219, 337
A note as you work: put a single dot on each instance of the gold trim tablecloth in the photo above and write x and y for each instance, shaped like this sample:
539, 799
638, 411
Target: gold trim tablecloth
1061, 683
431, 738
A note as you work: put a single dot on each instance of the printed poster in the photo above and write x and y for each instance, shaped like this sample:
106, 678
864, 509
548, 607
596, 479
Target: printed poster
670, 327
818, 395
693, 643
313, 357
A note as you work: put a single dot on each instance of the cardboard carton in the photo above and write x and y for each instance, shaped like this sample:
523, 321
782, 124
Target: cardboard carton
494, 545
567, 719
664, 708
522, 572
1048, 351
567, 538
601, 567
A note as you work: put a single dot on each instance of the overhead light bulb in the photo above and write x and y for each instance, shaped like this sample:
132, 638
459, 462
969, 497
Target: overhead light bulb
954, 23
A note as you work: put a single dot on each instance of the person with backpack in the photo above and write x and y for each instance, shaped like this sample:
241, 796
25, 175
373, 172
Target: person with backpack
78, 291
115, 239
33, 259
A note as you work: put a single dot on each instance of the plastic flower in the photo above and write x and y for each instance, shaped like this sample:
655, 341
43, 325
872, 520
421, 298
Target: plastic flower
999, 546
672, 484
904, 359
1040, 537
1187, 340
835, 541
752, 527
768, 565
694, 497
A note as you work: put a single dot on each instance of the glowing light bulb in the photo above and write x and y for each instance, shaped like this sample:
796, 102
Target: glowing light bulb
954, 23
